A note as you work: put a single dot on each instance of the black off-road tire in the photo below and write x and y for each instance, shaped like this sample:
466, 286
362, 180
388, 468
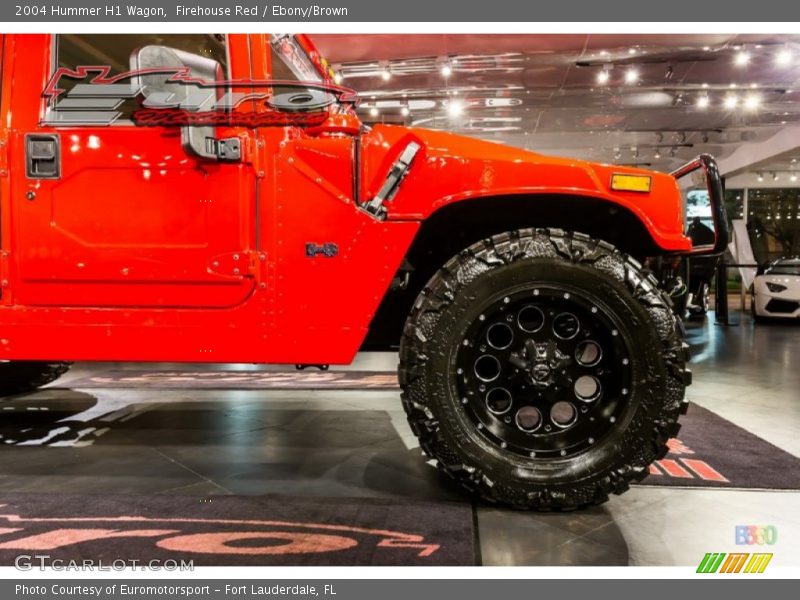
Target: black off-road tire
18, 377
453, 299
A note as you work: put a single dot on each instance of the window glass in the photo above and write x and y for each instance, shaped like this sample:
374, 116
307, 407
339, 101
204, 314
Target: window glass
115, 50
289, 60
773, 222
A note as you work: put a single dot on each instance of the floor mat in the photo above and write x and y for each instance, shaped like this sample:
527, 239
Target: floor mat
311, 379
710, 451
236, 530
713, 452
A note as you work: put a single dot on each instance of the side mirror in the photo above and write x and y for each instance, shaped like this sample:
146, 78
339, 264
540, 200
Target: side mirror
159, 91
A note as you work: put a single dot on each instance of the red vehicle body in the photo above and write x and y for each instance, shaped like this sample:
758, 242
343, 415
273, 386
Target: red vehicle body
104, 272
140, 251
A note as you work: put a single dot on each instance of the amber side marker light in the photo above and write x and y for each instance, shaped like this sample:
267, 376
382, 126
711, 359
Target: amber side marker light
631, 183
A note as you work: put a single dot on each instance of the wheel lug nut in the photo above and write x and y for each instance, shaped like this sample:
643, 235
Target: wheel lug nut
563, 453
482, 388
503, 444
547, 428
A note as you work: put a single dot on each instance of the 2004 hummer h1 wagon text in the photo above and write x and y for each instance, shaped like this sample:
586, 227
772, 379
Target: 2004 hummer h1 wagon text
215, 198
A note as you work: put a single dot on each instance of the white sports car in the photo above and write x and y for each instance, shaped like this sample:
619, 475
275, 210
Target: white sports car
776, 291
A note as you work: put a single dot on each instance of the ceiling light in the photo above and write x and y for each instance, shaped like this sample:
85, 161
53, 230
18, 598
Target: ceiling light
704, 86
731, 101
706, 48
446, 70
405, 111
783, 57
455, 108
602, 77
386, 74
374, 112
775, 177
631, 76
793, 177
760, 177
702, 102
741, 59
337, 78
657, 155
631, 51
732, 86
752, 102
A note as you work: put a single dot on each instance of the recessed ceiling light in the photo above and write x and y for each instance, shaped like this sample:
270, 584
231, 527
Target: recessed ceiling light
602, 77
631, 76
783, 57
455, 108
752, 102
732, 86
741, 59
793, 177
731, 101
446, 70
702, 102
705, 85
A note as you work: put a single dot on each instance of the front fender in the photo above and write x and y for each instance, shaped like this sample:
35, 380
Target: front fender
452, 168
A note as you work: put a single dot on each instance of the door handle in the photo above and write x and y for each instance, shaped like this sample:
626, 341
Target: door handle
42, 156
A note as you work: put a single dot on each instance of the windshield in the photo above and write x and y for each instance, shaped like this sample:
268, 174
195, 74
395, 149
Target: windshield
785, 267
289, 60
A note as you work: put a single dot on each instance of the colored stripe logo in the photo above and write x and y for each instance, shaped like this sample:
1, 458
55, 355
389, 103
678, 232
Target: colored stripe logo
735, 562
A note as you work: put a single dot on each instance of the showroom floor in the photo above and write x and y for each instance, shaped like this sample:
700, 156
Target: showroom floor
355, 444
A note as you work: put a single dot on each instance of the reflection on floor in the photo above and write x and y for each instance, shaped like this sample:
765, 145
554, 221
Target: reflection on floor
344, 443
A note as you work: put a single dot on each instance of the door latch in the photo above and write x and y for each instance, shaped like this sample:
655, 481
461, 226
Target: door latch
227, 149
42, 156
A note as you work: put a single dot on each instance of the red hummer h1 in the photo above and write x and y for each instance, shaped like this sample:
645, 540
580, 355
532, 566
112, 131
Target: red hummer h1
212, 198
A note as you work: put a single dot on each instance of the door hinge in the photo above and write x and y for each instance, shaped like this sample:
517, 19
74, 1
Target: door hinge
245, 263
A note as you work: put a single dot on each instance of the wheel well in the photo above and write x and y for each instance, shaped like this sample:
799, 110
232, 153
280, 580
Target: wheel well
459, 225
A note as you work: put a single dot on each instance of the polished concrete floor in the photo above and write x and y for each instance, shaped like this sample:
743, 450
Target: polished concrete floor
344, 443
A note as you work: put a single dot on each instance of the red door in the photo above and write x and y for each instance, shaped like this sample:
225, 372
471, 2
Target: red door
132, 218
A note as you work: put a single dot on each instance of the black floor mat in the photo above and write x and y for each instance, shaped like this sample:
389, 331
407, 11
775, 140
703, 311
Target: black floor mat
713, 452
236, 530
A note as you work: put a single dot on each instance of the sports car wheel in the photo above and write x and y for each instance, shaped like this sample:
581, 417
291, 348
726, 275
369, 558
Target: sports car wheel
543, 369
17, 377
